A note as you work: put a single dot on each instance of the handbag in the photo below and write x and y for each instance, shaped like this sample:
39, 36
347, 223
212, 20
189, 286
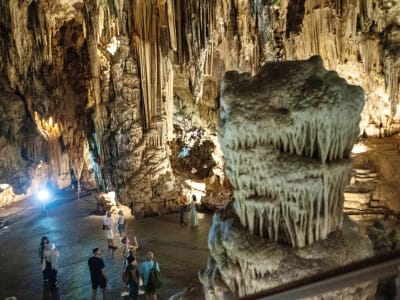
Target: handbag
104, 226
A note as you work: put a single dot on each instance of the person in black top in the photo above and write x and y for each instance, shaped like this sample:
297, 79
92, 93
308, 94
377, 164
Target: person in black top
97, 273
45, 266
134, 277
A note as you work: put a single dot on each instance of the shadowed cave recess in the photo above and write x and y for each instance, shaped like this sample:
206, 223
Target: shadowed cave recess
285, 114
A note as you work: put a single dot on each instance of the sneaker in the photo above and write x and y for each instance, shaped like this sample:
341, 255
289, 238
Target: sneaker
141, 292
124, 293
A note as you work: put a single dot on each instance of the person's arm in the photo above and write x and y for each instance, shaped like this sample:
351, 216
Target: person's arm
103, 272
135, 243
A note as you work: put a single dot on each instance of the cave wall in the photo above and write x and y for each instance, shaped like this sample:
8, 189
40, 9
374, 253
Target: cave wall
100, 84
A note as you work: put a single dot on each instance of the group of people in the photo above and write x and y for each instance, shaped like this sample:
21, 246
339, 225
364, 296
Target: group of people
136, 276
49, 254
184, 205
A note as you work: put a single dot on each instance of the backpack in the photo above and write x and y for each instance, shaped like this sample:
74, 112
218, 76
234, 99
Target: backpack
154, 280
125, 275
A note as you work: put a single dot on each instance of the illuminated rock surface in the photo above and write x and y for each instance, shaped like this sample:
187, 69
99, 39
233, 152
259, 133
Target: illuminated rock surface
286, 134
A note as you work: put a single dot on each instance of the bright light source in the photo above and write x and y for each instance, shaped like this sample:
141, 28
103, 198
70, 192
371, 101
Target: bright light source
113, 46
43, 195
111, 197
359, 148
197, 188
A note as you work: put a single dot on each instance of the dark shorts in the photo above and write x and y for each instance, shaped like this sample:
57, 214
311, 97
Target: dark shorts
149, 290
98, 282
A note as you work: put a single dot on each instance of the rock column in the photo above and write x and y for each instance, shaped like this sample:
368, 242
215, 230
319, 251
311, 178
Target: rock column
286, 135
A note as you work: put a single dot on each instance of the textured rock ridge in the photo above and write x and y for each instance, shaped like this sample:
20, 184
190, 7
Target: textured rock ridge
242, 264
286, 135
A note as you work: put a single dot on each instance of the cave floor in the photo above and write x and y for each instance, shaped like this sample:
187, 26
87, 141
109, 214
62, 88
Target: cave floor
75, 229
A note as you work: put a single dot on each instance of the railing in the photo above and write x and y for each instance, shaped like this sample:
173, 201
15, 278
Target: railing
369, 269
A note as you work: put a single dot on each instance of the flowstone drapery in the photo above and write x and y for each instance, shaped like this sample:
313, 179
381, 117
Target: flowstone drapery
286, 134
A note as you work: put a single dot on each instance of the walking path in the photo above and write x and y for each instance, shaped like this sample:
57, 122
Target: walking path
71, 225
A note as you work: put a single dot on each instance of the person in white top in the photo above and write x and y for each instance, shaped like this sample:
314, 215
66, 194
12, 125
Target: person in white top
109, 226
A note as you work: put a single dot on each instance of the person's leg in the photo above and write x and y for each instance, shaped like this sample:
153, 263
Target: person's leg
52, 278
94, 292
104, 290
55, 279
181, 215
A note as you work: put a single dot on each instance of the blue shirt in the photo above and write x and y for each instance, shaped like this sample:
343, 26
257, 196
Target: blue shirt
145, 269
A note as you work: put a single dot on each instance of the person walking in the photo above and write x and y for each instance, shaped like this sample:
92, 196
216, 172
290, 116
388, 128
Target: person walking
134, 277
109, 229
44, 241
97, 273
193, 212
145, 269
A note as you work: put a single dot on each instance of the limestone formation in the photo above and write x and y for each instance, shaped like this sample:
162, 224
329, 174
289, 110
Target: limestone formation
286, 134
117, 76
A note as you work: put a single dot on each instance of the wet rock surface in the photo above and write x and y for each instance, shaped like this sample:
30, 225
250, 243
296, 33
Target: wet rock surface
75, 229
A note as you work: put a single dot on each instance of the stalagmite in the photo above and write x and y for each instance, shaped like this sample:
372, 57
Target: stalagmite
286, 134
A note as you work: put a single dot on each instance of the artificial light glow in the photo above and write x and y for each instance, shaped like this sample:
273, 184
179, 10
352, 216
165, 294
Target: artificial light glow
43, 195
111, 197
359, 148
47, 128
113, 46
197, 188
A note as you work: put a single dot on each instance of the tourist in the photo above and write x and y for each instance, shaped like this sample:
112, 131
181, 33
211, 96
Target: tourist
145, 269
47, 255
97, 273
193, 212
54, 254
134, 277
109, 229
128, 249
44, 241
121, 223
182, 208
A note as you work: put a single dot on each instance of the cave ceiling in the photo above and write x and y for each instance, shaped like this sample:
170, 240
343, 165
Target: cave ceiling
112, 90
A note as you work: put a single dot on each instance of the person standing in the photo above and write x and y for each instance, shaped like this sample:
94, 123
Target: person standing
54, 254
182, 208
44, 241
134, 277
47, 255
109, 229
121, 223
97, 273
145, 269
193, 212
128, 249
